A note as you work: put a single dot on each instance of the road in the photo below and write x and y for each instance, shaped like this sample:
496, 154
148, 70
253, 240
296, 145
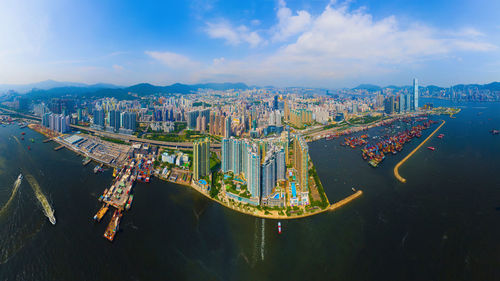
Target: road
129, 138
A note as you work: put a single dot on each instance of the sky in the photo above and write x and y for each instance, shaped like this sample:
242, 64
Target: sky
327, 44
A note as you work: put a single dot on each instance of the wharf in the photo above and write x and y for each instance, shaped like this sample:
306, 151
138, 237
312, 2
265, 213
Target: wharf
86, 161
59, 147
47, 140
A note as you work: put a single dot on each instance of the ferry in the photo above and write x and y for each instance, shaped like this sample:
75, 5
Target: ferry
279, 227
431, 148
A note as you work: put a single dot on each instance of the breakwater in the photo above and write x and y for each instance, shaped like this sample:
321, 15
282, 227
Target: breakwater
396, 168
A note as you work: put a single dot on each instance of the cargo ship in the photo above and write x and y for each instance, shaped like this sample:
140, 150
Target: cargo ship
113, 226
101, 213
129, 202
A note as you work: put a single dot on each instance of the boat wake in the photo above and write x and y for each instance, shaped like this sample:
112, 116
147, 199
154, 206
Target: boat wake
17, 183
47, 209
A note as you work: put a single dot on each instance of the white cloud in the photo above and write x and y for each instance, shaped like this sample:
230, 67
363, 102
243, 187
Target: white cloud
118, 67
173, 60
337, 45
288, 24
233, 35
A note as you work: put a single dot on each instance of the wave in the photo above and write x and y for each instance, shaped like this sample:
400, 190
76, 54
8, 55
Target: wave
17, 183
47, 209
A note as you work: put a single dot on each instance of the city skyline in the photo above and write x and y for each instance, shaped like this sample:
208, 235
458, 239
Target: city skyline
258, 43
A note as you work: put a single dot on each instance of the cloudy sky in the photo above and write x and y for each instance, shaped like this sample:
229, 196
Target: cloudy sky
271, 42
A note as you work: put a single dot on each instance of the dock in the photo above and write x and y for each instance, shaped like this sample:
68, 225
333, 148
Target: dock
47, 140
59, 147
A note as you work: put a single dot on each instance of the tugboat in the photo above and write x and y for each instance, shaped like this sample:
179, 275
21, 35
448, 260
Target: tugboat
279, 227
431, 148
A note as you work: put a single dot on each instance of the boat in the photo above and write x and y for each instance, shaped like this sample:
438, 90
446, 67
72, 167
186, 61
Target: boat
495, 132
353, 189
101, 212
32, 140
29, 148
23, 133
114, 172
22, 138
113, 226
279, 227
20, 177
129, 203
431, 148
97, 169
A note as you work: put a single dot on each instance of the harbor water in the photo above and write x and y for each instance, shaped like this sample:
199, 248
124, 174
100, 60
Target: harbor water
442, 224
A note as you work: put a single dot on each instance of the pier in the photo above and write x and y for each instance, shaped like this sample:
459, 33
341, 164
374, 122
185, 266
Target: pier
47, 140
59, 147
345, 200
396, 168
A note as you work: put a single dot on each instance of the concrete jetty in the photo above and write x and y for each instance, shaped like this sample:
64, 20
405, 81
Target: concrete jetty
396, 168
345, 200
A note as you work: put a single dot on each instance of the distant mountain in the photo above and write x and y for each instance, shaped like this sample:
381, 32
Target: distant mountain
368, 87
142, 89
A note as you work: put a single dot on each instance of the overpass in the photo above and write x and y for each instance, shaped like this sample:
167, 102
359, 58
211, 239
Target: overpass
131, 138
127, 138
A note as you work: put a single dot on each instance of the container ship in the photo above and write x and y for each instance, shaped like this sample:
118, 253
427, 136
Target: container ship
113, 226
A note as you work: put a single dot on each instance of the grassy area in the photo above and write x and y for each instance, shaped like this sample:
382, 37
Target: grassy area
365, 120
324, 201
113, 140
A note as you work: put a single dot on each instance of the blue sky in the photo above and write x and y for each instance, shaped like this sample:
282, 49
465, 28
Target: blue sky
273, 42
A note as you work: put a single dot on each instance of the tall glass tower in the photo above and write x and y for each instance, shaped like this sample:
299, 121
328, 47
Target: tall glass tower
415, 93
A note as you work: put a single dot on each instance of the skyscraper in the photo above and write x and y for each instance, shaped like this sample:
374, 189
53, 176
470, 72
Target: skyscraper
415, 94
201, 158
227, 127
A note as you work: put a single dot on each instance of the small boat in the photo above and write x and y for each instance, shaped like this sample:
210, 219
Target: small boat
23, 133
495, 132
353, 189
431, 148
29, 148
32, 140
22, 138
279, 227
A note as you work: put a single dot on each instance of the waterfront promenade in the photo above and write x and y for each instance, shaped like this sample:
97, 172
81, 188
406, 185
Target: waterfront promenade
396, 168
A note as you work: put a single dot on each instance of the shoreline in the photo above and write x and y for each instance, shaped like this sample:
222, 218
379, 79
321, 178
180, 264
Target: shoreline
273, 215
396, 168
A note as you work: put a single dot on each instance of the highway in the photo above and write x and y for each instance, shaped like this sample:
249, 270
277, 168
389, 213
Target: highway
129, 138
132, 138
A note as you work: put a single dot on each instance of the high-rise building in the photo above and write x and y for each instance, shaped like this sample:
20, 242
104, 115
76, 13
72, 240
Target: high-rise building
191, 118
415, 94
389, 105
253, 173
301, 162
201, 158
268, 175
98, 118
227, 127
